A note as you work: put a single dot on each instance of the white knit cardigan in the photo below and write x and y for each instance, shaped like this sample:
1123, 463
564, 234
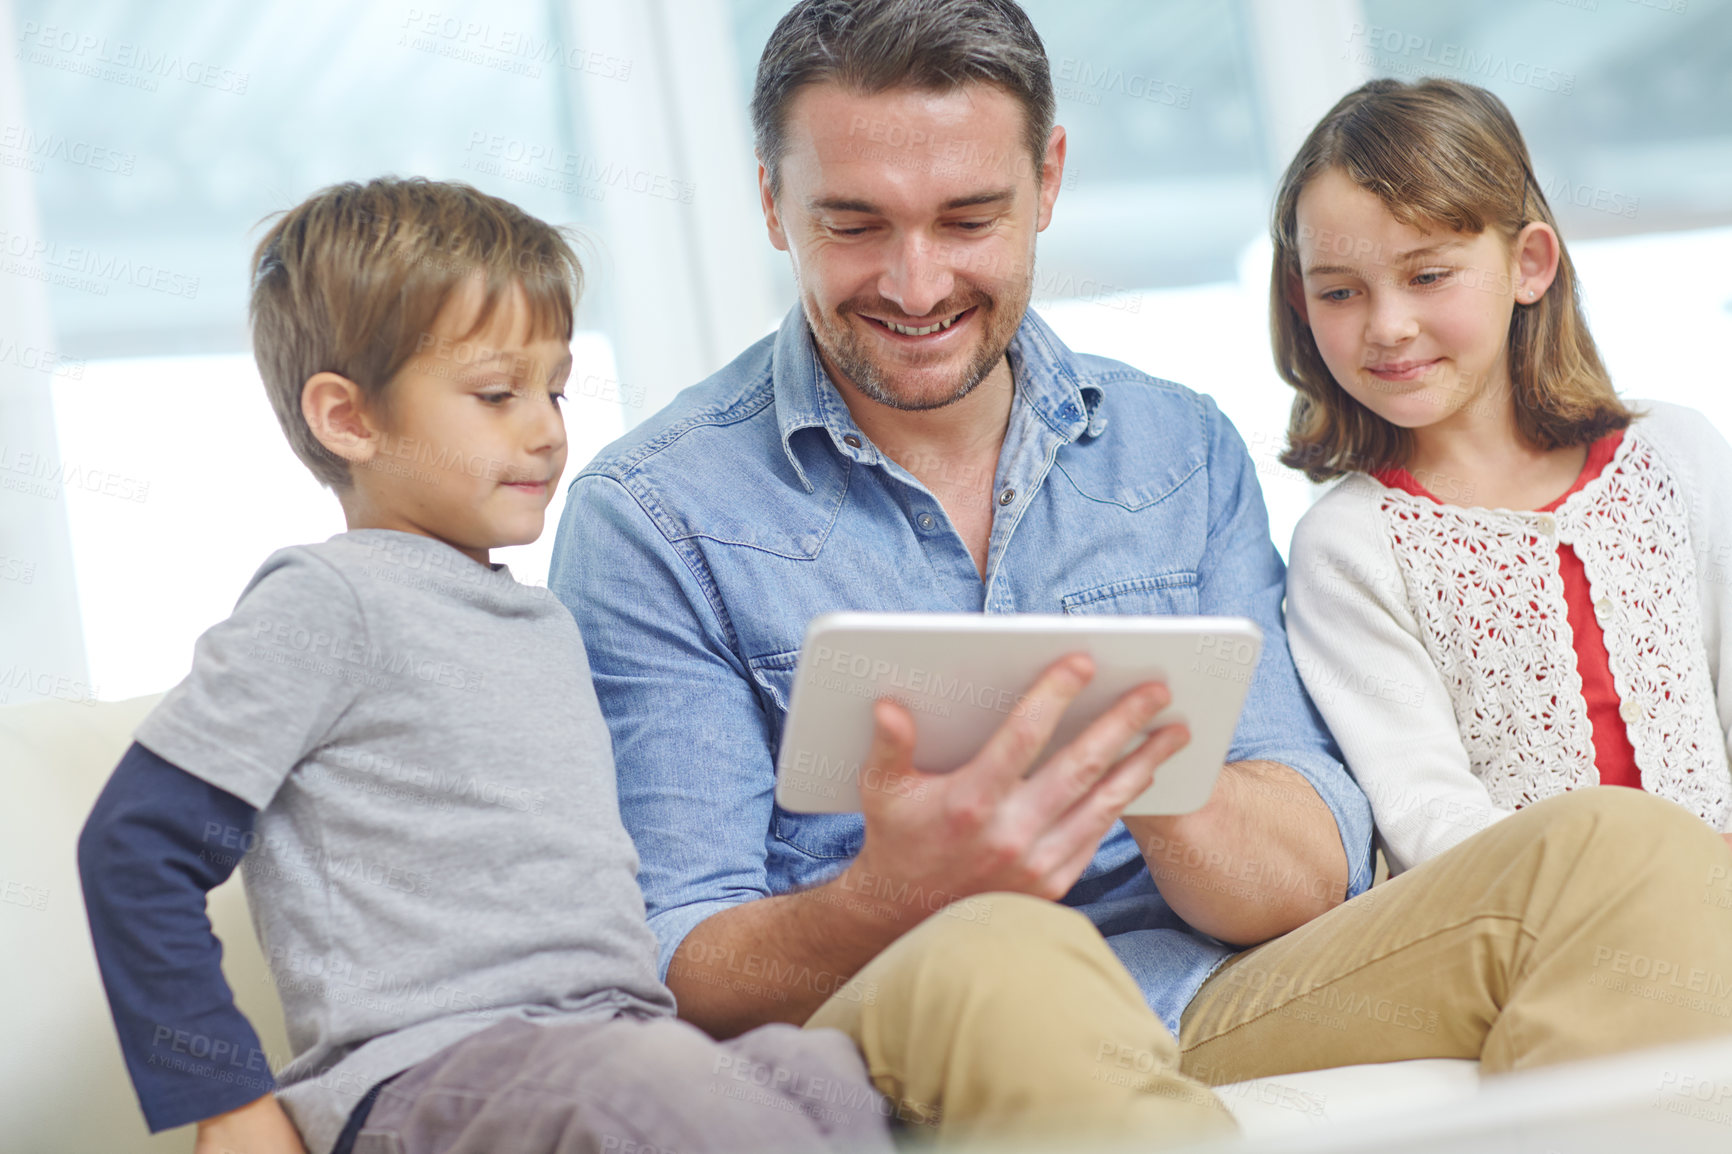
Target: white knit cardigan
1436, 641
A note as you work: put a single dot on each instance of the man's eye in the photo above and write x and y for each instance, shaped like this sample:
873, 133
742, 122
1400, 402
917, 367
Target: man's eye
973, 225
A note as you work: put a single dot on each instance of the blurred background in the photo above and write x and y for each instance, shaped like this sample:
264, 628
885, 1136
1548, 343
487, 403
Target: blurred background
143, 478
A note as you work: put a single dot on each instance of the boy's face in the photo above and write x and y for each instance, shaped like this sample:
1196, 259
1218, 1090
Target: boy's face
470, 440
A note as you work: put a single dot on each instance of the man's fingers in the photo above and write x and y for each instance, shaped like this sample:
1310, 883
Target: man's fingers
1071, 773
1015, 744
1079, 830
891, 756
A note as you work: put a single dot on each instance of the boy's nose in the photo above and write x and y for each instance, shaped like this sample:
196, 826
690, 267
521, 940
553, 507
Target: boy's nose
547, 434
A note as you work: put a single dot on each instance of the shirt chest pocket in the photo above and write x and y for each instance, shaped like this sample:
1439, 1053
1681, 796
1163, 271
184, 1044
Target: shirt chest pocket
821, 836
1164, 594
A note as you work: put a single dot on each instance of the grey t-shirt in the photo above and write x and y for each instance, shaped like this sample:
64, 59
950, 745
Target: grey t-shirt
439, 844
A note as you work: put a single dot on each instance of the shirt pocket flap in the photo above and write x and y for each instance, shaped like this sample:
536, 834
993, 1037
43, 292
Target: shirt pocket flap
1167, 594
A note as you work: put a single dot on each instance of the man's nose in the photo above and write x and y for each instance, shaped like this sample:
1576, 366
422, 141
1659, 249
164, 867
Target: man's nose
917, 276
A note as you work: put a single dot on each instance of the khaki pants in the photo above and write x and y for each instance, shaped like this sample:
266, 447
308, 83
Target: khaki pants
1589, 923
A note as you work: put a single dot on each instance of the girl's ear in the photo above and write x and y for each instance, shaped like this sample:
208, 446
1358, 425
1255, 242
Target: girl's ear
1294, 291
1537, 251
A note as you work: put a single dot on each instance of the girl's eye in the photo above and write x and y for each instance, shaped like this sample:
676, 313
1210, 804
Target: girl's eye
1336, 295
557, 398
495, 398
1431, 277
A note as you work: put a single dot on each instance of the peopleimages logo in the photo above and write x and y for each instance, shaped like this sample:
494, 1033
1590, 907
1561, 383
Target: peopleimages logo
56, 263
932, 691
122, 61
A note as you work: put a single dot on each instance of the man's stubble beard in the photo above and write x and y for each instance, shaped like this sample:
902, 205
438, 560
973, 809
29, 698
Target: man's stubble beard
843, 349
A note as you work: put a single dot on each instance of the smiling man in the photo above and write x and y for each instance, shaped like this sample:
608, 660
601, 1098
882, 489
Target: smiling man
914, 438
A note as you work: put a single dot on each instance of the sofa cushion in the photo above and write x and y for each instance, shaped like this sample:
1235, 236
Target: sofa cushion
63, 1085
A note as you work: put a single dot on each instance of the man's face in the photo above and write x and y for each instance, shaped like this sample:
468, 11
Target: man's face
910, 217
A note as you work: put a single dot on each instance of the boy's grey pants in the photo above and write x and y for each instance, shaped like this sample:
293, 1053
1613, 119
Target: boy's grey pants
630, 1086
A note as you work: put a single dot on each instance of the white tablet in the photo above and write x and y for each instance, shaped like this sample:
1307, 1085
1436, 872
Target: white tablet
962, 674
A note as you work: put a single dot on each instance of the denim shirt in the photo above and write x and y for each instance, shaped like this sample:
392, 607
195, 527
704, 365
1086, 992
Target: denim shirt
694, 551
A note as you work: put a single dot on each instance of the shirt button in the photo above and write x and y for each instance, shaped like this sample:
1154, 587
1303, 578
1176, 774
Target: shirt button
1007, 497
1630, 711
1547, 524
926, 520
1068, 412
851, 441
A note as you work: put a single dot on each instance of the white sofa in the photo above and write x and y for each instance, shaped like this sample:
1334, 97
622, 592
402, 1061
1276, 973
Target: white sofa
64, 1089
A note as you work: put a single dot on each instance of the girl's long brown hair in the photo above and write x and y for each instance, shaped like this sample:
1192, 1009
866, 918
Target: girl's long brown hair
1438, 154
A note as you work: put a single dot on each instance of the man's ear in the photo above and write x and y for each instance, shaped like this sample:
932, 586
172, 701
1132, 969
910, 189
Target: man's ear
336, 412
1051, 175
772, 218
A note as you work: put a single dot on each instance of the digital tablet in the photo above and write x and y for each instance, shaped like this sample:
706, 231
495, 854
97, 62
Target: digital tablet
962, 675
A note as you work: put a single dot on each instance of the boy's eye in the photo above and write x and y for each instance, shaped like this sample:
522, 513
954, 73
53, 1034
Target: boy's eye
1431, 277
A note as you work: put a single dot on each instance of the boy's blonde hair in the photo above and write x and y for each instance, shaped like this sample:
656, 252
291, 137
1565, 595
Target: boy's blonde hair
1439, 154
351, 280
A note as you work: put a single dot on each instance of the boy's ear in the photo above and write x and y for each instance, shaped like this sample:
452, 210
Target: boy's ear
336, 412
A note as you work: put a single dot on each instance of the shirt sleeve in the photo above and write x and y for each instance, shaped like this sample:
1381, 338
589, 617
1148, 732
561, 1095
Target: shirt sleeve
156, 842
1358, 648
1241, 575
691, 742
267, 684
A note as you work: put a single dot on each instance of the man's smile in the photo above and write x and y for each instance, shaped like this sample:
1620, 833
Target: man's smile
920, 332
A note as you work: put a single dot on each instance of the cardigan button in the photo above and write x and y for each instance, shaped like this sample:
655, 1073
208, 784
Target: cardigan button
1630, 712
1547, 524
1603, 608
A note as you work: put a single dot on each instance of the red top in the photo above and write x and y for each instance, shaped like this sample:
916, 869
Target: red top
1613, 755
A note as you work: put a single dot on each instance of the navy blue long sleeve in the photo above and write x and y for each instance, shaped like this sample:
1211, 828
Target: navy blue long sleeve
156, 842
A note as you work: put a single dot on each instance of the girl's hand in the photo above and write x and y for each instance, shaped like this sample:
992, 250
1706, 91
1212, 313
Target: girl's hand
259, 1127
1728, 837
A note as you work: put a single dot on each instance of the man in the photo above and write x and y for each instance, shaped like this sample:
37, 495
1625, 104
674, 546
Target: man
915, 439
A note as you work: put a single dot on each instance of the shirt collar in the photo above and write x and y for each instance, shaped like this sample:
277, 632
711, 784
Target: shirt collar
1047, 374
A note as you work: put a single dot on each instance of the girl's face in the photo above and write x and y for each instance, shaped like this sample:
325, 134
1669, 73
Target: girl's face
1414, 324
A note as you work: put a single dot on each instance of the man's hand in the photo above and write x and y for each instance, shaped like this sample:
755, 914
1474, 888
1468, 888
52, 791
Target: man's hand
931, 838
1263, 857
259, 1127
991, 825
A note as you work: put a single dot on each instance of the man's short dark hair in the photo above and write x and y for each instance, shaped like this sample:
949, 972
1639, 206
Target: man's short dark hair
873, 46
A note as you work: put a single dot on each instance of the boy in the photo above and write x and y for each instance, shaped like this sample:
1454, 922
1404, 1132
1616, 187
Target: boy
404, 744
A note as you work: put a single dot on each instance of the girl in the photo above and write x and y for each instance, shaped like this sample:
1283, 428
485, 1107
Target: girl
1521, 587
